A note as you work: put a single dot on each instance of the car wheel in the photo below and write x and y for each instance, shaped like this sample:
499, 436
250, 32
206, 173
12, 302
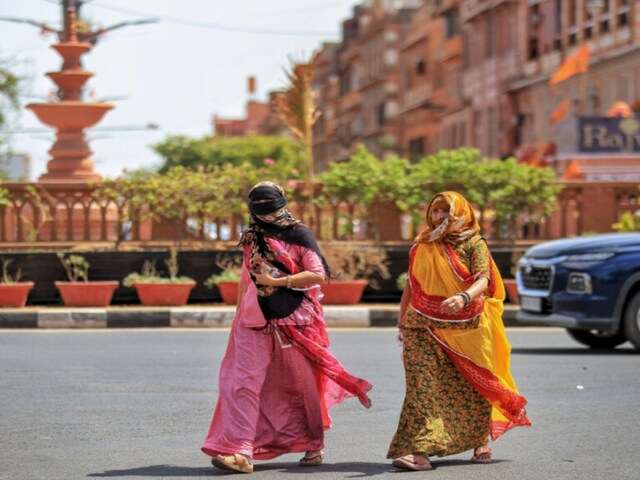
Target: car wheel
597, 339
631, 326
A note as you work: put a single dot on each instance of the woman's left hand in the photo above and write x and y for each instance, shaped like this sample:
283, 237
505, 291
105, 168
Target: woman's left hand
265, 279
453, 303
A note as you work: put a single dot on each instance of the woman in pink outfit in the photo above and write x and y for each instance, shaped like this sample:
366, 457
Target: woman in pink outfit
278, 378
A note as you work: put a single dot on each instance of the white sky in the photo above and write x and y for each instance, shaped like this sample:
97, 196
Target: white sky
176, 73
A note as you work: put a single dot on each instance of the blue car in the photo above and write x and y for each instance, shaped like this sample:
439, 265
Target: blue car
588, 285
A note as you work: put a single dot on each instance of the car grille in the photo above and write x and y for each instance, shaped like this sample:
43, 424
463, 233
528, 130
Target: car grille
536, 278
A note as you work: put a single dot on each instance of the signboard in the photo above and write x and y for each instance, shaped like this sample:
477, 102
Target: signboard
609, 134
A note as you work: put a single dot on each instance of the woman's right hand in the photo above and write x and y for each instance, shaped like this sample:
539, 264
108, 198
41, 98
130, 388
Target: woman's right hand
400, 336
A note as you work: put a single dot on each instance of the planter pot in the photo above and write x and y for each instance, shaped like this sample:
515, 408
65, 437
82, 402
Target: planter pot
164, 294
511, 287
87, 294
14, 295
229, 292
343, 293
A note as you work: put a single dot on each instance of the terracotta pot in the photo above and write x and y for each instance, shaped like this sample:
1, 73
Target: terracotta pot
14, 295
229, 292
87, 294
511, 287
343, 292
164, 294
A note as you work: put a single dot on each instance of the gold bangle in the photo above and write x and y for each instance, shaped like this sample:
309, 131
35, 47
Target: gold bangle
288, 281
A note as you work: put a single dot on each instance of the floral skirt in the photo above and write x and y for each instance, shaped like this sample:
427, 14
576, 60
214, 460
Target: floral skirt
442, 413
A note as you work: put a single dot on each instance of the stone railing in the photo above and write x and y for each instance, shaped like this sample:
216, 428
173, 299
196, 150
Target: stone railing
72, 213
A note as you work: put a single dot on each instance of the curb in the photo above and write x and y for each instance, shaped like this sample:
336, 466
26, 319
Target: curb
206, 316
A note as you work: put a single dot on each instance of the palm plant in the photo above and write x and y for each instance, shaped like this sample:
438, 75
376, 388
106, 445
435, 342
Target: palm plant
296, 108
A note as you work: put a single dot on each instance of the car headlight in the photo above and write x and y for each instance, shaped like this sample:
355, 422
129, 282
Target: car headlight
579, 283
590, 257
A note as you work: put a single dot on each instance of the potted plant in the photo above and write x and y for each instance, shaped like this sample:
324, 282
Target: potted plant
354, 267
79, 291
154, 289
228, 279
13, 292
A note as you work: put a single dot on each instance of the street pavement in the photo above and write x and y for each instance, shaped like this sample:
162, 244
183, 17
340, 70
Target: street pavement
136, 404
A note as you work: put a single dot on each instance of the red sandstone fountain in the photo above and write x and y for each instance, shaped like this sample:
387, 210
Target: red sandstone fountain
70, 115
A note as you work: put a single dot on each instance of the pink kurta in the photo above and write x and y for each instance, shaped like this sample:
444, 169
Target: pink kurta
274, 395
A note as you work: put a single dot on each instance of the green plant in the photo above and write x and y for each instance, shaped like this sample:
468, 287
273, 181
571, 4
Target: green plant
628, 222
76, 267
401, 280
7, 278
150, 273
356, 262
231, 270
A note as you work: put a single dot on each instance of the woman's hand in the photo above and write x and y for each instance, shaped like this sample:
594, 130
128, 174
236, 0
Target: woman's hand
266, 279
453, 303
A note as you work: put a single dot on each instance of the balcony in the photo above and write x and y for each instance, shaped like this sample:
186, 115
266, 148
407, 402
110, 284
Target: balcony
350, 100
416, 97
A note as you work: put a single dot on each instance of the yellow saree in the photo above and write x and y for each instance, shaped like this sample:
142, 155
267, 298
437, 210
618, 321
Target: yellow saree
481, 354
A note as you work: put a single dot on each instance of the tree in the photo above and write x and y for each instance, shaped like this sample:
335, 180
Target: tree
9, 83
489, 177
442, 171
530, 190
296, 107
363, 182
184, 197
283, 158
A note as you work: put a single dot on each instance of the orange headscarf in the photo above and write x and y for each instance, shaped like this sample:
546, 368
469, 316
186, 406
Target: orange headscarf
460, 225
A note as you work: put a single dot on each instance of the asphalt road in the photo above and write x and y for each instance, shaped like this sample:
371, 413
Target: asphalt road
136, 404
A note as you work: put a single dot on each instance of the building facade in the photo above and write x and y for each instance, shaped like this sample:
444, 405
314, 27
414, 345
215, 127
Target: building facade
414, 78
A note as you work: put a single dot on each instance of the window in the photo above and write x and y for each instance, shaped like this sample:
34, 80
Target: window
623, 12
450, 23
380, 118
490, 37
416, 148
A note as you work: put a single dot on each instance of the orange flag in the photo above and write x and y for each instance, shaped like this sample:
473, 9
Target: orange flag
560, 112
577, 63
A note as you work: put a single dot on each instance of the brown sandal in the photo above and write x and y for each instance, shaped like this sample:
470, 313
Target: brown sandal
408, 462
482, 455
235, 463
312, 458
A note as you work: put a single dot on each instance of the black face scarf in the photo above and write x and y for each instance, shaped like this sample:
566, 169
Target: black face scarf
271, 218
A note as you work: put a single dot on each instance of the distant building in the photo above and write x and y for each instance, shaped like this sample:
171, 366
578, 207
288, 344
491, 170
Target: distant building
257, 114
260, 118
16, 167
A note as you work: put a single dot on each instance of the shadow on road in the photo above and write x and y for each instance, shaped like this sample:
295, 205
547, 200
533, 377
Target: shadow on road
157, 471
355, 469
572, 351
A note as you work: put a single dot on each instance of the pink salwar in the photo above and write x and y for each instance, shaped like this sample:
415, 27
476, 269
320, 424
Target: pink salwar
276, 388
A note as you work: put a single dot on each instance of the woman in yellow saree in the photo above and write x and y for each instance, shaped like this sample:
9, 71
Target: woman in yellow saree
459, 389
